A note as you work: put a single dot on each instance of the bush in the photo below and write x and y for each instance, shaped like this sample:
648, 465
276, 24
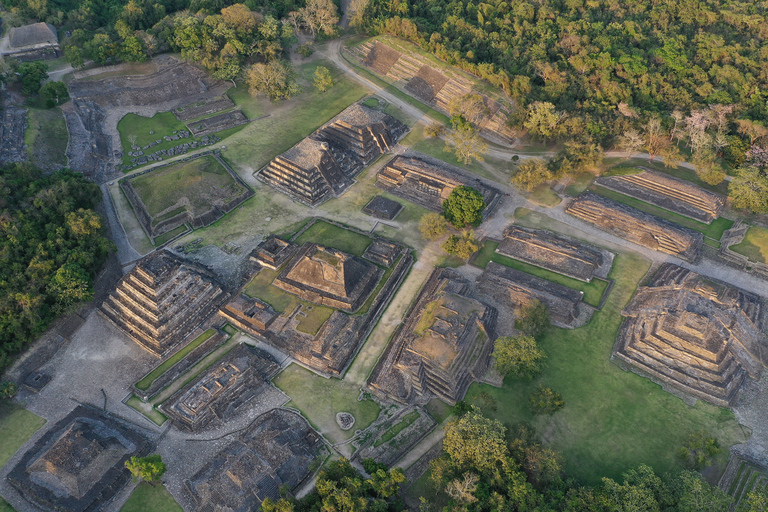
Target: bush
545, 401
462, 246
8, 390
533, 318
520, 356
434, 130
699, 450
464, 207
432, 226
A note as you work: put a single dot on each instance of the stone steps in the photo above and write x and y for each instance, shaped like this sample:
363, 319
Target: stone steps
644, 181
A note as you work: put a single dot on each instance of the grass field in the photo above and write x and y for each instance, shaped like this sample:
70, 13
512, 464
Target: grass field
330, 235
147, 410
544, 195
579, 184
178, 356
46, 137
613, 420
714, 230
151, 498
397, 428
16, 426
201, 181
754, 246
5, 507
593, 291
319, 399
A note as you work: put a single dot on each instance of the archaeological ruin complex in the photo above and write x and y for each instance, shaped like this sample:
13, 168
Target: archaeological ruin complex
33, 42
275, 451
694, 335
428, 182
78, 465
382, 208
637, 226
442, 347
162, 300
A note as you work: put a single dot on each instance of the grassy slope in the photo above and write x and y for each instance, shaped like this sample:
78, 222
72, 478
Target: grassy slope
46, 136
613, 420
16, 426
151, 498
755, 245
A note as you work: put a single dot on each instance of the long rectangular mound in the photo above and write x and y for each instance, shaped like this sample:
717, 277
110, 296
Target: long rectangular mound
552, 251
428, 182
427, 84
637, 226
203, 107
198, 191
381, 58
669, 193
516, 288
217, 123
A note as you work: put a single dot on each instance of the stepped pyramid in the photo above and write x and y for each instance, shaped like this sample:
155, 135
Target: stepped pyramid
162, 300
700, 336
363, 131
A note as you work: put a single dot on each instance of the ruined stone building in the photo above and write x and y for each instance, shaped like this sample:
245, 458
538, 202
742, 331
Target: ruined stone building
552, 251
33, 42
637, 226
324, 164
514, 289
442, 347
273, 252
275, 451
694, 335
162, 300
218, 393
78, 465
424, 181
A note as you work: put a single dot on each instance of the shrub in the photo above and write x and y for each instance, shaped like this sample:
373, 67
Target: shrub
545, 401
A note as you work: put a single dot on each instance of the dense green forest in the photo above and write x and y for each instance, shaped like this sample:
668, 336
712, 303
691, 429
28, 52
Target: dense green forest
51, 245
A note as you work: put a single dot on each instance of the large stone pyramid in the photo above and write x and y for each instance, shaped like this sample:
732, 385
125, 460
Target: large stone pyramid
364, 131
694, 334
162, 300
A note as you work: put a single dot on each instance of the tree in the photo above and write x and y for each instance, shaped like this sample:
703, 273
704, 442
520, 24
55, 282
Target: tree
476, 442
630, 142
532, 173
749, 190
756, 500
149, 468
31, 75
533, 318
545, 401
693, 494
320, 16
132, 50
543, 120
465, 143
276, 80
74, 56
461, 246
698, 450
356, 12
70, 284
462, 489
8, 390
434, 130
518, 356
464, 207
432, 226
469, 106
323, 79
55, 93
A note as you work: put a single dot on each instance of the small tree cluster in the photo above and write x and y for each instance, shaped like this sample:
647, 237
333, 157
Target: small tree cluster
533, 318
149, 468
433, 226
8, 390
464, 207
545, 401
461, 246
519, 356
276, 80
699, 450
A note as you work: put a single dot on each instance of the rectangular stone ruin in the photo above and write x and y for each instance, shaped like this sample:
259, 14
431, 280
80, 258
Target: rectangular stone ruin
162, 300
443, 345
13, 124
428, 182
669, 193
277, 450
637, 226
426, 84
382, 252
273, 252
696, 336
515, 288
203, 107
556, 252
382, 208
218, 393
390, 451
217, 123
248, 313
38, 41
78, 465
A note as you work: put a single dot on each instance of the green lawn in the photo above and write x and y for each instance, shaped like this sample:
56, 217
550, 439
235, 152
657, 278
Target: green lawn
151, 498
593, 291
544, 195
319, 399
16, 426
397, 427
178, 356
333, 236
147, 409
754, 246
200, 181
46, 137
579, 184
170, 235
613, 420
5, 507
714, 230
251, 107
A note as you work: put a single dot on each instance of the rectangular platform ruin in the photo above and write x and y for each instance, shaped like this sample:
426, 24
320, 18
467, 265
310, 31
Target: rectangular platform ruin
428, 182
668, 193
203, 107
382, 208
217, 123
556, 252
637, 226
441, 348
273, 252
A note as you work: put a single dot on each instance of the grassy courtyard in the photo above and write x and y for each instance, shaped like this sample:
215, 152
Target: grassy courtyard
16, 426
5, 507
593, 290
613, 420
330, 235
151, 498
754, 246
319, 399
178, 356
46, 137
199, 181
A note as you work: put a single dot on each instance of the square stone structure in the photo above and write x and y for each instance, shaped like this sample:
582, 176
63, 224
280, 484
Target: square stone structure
382, 252
554, 252
515, 288
694, 335
37, 41
637, 226
669, 193
329, 277
276, 450
162, 300
273, 252
442, 347
218, 393
428, 182
78, 465
382, 208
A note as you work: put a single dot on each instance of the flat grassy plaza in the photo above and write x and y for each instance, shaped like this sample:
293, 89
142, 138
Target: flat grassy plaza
16, 426
754, 246
151, 498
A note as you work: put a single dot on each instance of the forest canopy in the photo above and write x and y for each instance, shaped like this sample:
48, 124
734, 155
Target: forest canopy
51, 245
